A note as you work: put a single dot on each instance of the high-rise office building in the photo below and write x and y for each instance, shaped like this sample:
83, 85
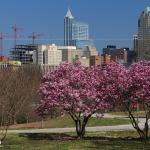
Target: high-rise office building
144, 34
80, 34
135, 43
68, 24
75, 33
80, 31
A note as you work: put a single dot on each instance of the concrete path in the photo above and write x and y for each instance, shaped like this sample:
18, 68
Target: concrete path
65, 130
97, 128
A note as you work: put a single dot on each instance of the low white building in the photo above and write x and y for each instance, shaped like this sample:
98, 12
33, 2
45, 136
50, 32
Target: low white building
52, 56
85, 61
90, 51
70, 53
48, 54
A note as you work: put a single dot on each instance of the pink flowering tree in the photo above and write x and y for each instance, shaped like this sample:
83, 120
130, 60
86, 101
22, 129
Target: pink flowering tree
116, 73
137, 91
134, 91
79, 91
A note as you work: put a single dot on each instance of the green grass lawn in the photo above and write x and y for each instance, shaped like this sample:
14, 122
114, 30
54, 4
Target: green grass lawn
118, 141
123, 113
68, 122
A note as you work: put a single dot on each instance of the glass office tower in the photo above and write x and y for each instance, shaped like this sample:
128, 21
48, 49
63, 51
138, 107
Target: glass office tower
75, 33
80, 34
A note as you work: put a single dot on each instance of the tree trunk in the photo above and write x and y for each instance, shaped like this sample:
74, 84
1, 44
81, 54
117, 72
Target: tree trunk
143, 133
80, 123
4, 135
80, 127
145, 130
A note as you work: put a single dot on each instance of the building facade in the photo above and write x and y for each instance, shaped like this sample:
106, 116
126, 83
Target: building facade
90, 51
135, 43
116, 54
85, 61
105, 59
68, 28
70, 53
80, 34
80, 31
144, 35
95, 60
75, 33
23, 53
48, 55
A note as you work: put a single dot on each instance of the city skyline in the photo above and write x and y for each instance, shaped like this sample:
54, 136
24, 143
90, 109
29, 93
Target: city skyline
109, 22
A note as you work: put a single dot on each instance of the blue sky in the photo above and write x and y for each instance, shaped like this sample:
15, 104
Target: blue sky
110, 21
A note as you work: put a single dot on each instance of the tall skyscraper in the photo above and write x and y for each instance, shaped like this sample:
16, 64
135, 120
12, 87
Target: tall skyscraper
144, 35
68, 23
135, 43
75, 33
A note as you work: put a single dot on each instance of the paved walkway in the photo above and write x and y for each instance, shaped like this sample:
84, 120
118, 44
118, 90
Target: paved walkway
97, 128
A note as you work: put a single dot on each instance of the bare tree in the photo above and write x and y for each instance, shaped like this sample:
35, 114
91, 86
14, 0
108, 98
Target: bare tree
18, 91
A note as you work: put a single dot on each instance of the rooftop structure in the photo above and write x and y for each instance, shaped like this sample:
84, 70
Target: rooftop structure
69, 14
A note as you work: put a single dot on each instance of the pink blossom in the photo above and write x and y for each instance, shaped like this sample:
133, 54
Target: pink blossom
78, 89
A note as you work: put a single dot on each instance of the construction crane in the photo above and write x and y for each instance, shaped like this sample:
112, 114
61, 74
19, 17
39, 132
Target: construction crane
2, 36
34, 36
15, 36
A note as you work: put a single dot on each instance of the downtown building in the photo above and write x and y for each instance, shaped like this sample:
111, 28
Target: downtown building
142, 45
91, 53
47, 57
50, 56
47, 54
70, 53
112, 53
23, 53
68, 29
75, 33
